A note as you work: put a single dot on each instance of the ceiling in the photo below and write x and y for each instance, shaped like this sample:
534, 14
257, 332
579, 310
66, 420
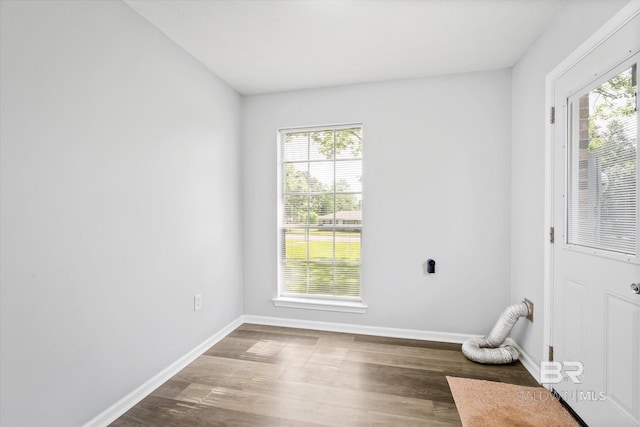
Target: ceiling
262, 46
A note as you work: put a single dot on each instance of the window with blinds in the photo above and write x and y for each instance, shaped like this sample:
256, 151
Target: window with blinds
320, 217
602, 205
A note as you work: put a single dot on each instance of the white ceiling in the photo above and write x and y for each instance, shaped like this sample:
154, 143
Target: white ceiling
261, 46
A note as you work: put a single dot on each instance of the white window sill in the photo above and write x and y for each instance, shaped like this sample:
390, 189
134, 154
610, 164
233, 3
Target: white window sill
321, 304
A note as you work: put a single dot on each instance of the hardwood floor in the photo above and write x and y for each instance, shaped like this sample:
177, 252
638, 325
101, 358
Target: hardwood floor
272, 376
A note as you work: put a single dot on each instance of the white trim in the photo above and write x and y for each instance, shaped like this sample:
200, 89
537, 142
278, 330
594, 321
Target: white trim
316, 127
321, 304
618, 21
600, 36
360, 329
112, 413
527, 361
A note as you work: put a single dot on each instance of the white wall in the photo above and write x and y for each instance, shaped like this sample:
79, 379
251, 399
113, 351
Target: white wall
568, 30
120, 198
436, 183
119, 202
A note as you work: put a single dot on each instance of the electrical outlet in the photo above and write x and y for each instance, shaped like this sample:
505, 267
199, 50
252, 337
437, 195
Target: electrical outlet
197, 302
530, 304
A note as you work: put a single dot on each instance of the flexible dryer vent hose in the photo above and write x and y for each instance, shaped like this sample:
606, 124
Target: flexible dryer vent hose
489, 349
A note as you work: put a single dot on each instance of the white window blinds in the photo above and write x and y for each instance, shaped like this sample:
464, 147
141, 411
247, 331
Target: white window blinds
603, 179
321, 212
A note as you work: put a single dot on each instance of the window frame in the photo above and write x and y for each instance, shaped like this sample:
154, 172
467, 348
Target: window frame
568, 240
307, 301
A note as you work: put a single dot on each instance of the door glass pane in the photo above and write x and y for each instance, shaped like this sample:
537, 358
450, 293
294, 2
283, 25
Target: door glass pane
602, 179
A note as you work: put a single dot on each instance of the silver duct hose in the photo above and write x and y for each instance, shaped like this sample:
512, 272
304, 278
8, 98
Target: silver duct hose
489, 349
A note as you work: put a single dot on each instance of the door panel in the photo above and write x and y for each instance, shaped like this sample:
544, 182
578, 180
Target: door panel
622, 350
595, 316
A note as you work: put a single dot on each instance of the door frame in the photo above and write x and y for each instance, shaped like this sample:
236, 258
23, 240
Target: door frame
618, 21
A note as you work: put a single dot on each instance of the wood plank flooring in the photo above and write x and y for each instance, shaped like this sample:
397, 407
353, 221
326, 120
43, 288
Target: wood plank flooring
272, 376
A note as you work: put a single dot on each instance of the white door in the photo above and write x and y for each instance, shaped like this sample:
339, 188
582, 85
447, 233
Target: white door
596, 254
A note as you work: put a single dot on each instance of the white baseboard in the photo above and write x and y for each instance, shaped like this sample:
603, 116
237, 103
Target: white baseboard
529, 364
130, 400
359, 329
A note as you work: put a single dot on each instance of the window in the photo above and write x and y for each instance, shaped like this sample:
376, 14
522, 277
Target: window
602, 203
320, 215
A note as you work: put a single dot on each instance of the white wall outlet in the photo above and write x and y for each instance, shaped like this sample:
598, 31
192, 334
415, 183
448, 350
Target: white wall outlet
197, 302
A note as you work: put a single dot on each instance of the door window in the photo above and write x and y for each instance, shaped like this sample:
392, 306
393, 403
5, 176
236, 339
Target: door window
602, 205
